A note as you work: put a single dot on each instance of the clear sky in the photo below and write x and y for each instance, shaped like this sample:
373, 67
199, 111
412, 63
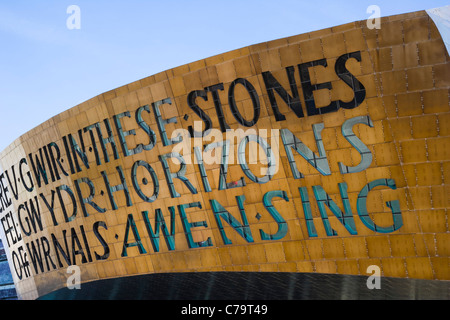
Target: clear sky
45, 68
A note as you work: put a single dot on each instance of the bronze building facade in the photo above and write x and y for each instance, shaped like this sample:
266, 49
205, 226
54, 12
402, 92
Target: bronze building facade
325, 153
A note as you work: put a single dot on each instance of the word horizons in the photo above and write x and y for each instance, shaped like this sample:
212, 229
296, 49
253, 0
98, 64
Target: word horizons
49, 164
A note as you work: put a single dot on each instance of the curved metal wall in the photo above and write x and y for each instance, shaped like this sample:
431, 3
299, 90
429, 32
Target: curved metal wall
326, 152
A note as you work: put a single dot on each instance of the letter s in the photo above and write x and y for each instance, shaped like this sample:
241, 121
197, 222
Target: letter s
102, 241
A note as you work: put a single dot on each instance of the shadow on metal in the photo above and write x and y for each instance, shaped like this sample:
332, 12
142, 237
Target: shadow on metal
253, 286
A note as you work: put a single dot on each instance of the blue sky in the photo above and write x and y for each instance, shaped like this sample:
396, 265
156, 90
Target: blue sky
45, 68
